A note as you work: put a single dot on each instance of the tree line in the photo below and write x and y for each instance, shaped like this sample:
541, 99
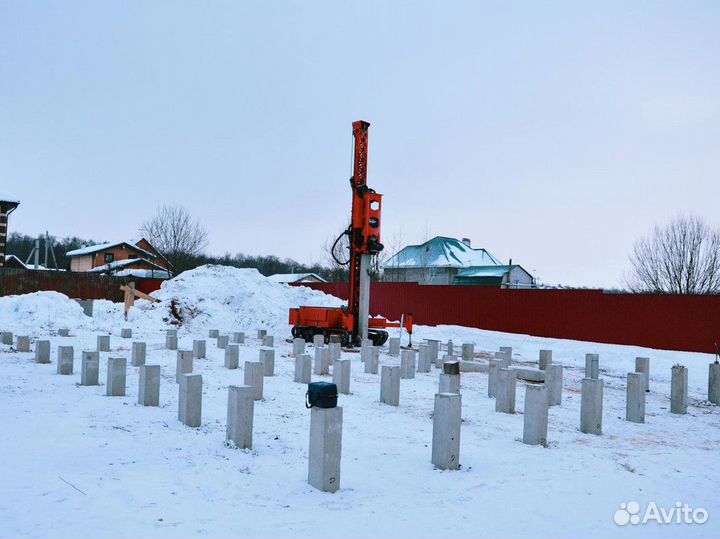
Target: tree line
183, 240
21, 245
679, 257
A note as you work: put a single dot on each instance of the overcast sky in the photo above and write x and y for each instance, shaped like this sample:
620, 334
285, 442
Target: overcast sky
552, 133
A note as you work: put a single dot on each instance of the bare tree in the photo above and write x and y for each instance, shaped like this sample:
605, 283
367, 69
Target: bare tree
393, 246
174, 233
682, 257
379, 264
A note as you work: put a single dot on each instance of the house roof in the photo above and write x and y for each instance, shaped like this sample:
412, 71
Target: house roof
8, 258
475, 272
13, 257
4, 197
154, 251
294, 277
441, 252
90, 249
30, 266
122, 263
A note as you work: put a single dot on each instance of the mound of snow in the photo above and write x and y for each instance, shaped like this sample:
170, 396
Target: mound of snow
40, 310
208, 297
221, 297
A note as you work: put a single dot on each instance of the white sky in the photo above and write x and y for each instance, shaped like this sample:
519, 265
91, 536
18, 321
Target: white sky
554, 133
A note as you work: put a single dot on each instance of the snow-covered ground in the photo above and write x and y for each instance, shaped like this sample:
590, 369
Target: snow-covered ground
75, 463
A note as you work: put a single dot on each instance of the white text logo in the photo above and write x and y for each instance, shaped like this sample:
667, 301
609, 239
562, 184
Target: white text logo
680, 513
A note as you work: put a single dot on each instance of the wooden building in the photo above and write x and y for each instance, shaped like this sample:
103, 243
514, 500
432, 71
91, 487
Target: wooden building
139, 259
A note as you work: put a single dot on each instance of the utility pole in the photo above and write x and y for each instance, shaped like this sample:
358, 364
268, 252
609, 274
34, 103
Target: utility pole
37, 252
47, 241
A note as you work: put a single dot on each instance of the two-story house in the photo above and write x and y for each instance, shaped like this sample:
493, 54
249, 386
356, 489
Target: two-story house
124, 258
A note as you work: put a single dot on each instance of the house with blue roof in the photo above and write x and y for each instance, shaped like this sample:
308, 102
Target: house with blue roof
443, 260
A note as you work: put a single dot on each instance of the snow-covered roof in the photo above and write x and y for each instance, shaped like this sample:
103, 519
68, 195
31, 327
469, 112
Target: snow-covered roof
90, 249
136, 242
295, 277
13, 257
4, 197
30, 266
441, 252
122, 263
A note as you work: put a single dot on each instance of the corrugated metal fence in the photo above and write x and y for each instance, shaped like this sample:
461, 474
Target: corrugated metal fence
78, 285
670, 322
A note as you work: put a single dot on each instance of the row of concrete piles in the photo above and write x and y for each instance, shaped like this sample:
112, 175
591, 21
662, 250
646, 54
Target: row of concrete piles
502, 382
189, 384
326, 423
637, 386
539, 397
325, 439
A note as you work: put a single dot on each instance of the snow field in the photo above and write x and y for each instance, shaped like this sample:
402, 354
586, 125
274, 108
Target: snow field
75, 463
142, 473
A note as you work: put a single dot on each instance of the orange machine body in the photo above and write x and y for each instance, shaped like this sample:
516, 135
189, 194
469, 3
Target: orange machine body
335, 318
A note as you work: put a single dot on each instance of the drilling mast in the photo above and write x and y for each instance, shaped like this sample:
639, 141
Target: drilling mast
364, 232
352, 322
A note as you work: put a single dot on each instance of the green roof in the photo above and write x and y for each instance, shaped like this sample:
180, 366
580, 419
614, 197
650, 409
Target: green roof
441, 252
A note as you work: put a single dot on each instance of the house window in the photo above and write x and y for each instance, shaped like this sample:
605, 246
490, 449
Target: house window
109, 257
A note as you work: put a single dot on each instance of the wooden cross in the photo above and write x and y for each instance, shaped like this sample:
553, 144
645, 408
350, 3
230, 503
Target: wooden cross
131, 293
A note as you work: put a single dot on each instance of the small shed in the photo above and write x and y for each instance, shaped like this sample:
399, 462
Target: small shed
504, 276
288, 278
11, 261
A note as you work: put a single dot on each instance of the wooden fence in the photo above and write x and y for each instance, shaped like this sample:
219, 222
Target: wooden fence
79, 285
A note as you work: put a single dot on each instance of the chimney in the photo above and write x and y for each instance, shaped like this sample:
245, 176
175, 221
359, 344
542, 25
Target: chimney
467, 242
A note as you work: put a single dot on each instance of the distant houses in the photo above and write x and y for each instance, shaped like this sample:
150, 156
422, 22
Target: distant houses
449, 261
124, 259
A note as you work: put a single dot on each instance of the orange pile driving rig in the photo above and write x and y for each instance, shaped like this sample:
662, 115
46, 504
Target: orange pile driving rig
352, 322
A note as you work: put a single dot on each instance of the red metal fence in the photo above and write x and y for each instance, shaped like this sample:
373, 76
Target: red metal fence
669, 322
148, 285
78, 285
